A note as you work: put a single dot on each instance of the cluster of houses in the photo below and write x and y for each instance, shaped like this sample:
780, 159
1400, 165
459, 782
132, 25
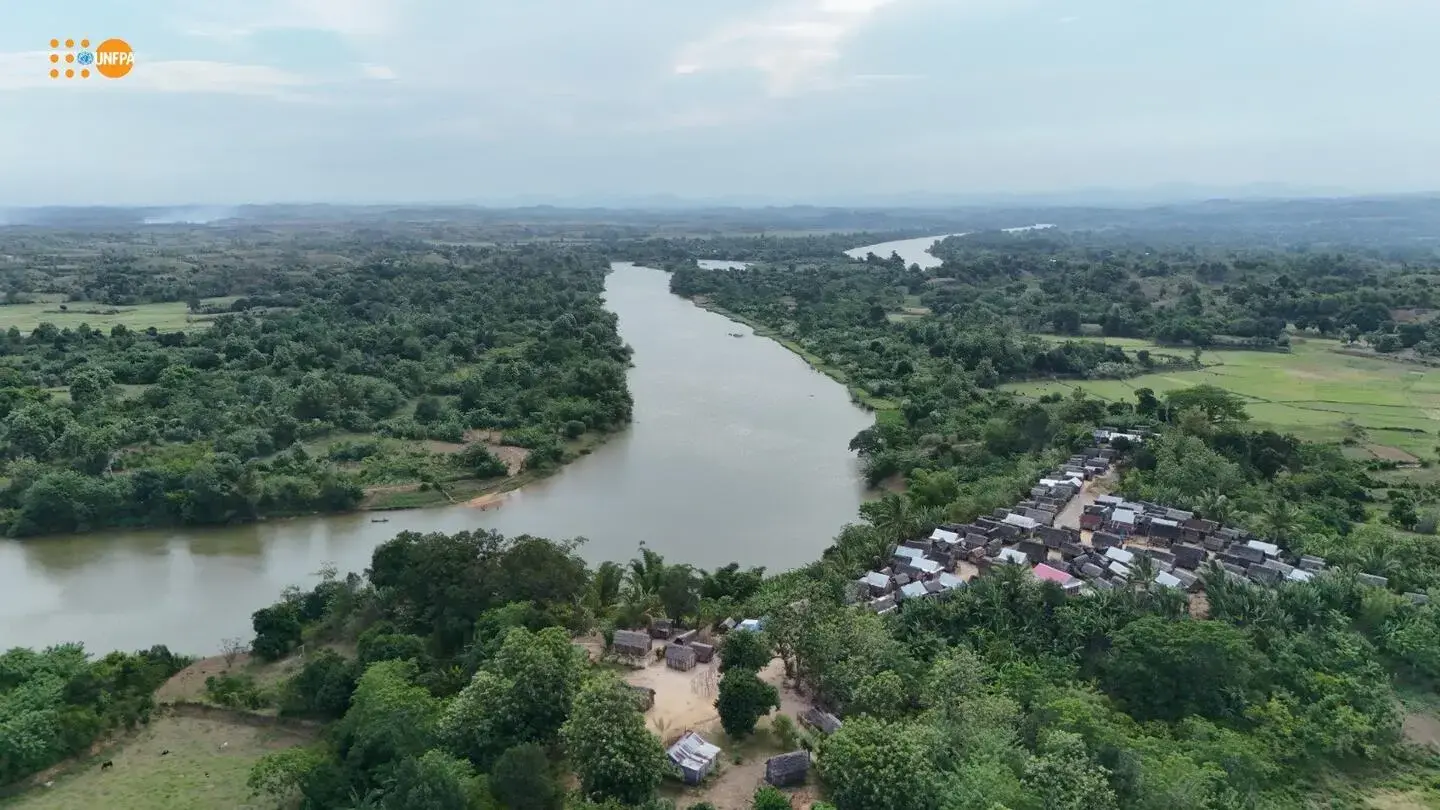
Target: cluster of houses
1022, 534
1114, 541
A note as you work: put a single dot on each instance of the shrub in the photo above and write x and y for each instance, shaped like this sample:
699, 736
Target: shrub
770, 798
234, 691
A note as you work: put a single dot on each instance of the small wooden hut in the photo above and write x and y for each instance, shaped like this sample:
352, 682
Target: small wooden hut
631, 642
679, 656
644, 696
703, 652
787, 770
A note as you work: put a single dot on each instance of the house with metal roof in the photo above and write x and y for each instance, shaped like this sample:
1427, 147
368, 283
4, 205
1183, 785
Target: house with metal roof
694, 756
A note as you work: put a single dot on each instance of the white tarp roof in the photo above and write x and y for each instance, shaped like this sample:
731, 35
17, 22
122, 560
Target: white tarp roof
944, 536
907, 551
1123, 516
1302, 576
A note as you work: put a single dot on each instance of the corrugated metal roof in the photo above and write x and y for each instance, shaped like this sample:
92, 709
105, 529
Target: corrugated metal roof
944, 536
693, 752
875, 579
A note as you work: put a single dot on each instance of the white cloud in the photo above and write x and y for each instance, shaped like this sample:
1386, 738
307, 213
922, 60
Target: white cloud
793, 45
380, 72
352, 19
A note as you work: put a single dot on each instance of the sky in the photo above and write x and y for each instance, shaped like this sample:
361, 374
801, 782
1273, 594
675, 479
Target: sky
484, 101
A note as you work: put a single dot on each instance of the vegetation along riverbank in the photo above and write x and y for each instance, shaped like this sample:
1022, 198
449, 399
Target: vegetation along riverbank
952, 648
330, 373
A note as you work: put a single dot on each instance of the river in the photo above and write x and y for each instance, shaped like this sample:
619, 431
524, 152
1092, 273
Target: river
917, 251
737, 452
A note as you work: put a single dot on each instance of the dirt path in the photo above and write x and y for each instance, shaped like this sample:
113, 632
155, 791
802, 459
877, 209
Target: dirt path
1069, 517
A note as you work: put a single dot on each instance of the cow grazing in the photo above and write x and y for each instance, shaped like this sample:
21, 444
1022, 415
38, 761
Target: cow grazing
106, 765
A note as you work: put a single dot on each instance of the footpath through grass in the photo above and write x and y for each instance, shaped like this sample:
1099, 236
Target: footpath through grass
1314, 392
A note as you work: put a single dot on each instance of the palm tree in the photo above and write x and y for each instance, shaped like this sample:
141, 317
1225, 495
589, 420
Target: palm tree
1279, 520
1213, 505
647, 572
893, 517
605, 585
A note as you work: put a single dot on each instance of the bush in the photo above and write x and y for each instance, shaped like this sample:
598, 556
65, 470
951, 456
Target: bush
770, 798
387, 645
323, 687
234, 691
786, 732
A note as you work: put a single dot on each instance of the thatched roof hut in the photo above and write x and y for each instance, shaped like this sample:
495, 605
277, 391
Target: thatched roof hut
631, 642
821, 721
703, 652
644, 696
786, 770
678, 656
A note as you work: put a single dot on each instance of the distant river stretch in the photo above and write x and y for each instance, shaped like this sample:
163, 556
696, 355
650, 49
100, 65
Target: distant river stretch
737, 452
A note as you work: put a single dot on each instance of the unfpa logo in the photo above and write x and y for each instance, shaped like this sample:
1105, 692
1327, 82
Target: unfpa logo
111, 59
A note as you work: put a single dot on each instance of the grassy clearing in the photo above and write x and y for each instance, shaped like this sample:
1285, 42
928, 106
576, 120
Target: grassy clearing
197, 773
1314, 392
167, 317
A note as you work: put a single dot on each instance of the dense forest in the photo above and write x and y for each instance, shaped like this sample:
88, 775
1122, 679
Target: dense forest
313, 383
449, 673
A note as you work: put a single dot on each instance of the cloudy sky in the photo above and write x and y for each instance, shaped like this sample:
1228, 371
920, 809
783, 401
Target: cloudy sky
487, 100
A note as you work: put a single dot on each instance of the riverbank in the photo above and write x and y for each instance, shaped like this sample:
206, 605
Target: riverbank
471, 491
858, 395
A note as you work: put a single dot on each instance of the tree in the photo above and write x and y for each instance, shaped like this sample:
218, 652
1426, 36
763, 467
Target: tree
435, 781
323, 687
1218, 405
613, 753
742, 700
872, 765
744, 649
1065, 778
881, 696
277, 630
522, 780
390, 718
1168, 670
523, 695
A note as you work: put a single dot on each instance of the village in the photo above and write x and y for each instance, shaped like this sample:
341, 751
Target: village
1070, 531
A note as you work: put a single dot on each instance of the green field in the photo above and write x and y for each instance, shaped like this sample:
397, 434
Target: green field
1314, 392
167, 317
174, 762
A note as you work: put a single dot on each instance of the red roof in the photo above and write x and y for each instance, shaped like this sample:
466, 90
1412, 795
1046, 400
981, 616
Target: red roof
1043, 571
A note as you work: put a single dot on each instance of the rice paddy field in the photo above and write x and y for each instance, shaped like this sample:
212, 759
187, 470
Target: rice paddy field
1314, 392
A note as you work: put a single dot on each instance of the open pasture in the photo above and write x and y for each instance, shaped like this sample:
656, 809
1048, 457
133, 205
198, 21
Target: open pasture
207, 766
1314, 392
167, 317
